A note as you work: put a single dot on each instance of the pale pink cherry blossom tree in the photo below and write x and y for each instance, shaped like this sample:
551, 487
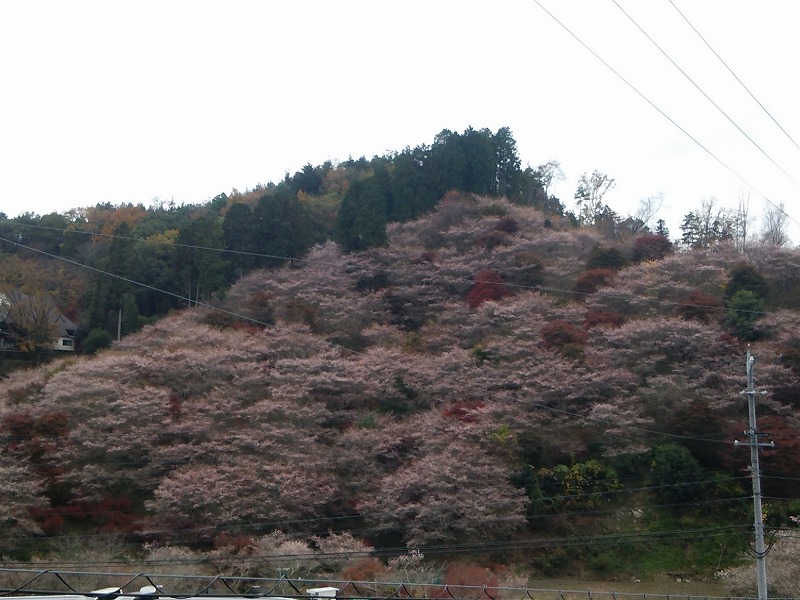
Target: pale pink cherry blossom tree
198, 502
781, 267
439, 500
22, 492
662, 345
658, 287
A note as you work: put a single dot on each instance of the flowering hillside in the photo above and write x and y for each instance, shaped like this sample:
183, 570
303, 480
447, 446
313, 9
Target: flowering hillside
485, 380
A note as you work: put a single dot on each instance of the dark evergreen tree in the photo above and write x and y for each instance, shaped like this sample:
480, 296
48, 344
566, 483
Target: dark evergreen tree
361, 222
676, 474
130, 319
42, 233
508, 174
154, 265
309, 179
105, 293
532, 191
744, 276
282, 227
201, 269
96, 302
480, 161
239, 235
448, 163
218, 203
7, 233
744, 309
661, 229
413, 185
97, 339
708, 225
690, 227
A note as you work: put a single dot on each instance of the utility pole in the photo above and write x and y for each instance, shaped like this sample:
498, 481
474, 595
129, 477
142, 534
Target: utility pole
755, 472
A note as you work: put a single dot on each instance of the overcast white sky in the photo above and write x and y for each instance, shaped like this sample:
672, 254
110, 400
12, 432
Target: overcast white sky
127, 101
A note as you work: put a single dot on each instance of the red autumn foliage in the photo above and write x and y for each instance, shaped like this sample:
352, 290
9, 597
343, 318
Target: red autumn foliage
366, 569
700, 306
19, 426
465, 580
651, 247
590, 281
71, 310
54, 424
48, 519
175, 404
488, 286
697, 422
452, 197
110, 514
228, 540
463, 410
260, 299
779, 465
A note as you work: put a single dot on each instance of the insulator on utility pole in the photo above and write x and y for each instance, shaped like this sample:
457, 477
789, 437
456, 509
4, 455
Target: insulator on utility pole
755, 472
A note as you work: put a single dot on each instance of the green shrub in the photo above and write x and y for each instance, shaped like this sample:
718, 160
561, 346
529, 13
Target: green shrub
676, 474
744, 309
96, 340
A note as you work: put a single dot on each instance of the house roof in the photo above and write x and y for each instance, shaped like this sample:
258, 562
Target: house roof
62, 325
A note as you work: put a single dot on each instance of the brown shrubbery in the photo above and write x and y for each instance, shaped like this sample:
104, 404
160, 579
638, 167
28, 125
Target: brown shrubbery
590, 281
560, 334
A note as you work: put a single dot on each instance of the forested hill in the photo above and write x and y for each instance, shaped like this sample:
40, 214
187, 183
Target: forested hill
490, 378
167, 249
143, 262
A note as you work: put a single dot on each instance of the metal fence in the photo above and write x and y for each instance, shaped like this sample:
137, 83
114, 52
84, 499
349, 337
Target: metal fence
27, 584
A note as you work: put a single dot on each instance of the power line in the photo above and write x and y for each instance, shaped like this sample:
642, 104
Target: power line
272, 525
661, 112
506, 545
699, 89
628, 426
189, 301
685, 18
355, 352
541, 405
641, 95
156, 242
387, 270
564, 412
780, 207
